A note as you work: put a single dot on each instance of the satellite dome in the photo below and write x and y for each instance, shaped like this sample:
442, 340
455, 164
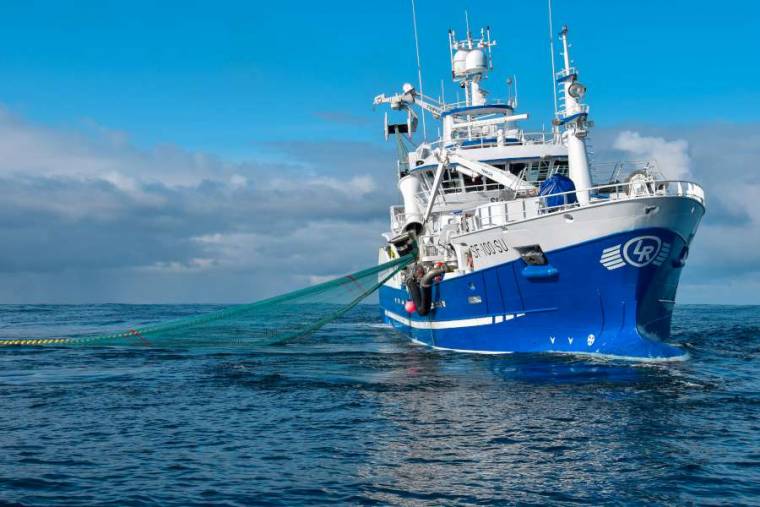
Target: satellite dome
460, 66
476, 62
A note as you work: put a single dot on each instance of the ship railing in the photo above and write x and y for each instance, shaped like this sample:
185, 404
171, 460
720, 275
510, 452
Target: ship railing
398, 218
505, 212
460, 193
489, 140
566, 72
625, 191
536, 138
463, 103
615, 172
431, 249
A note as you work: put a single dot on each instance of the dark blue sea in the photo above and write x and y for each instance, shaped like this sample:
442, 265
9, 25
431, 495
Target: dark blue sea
356, 414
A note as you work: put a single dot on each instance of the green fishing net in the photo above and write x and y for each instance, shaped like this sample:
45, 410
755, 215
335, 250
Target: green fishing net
264, 322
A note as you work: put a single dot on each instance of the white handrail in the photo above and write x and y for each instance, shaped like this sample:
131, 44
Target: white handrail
599, 195
647, 188
489, 140
504, 212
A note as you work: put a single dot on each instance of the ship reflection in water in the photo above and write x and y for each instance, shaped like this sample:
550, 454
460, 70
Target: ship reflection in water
558, 370
542, 428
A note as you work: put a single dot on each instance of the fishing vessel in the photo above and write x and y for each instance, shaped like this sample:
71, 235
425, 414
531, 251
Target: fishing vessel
523, 243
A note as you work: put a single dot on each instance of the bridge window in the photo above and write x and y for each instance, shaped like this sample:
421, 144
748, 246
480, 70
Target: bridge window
517, 167
450, 181
560, 167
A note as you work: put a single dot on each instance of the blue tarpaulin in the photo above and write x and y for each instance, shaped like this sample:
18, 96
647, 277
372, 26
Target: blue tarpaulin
557, 184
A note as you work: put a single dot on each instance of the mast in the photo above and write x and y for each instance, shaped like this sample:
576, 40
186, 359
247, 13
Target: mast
575, 119
554, 69
419, 66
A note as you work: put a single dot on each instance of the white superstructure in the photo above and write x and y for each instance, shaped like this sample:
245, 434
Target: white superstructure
486, 170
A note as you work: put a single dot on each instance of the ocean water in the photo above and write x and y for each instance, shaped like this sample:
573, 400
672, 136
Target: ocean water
357, 414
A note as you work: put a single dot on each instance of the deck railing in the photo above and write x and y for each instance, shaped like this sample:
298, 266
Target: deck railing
489, 139
462, 103
505, 212
502, 213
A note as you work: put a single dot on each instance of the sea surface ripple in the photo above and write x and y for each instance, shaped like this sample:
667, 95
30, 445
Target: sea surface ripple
357, 414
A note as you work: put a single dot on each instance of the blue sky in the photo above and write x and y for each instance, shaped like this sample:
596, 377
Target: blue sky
224, 76
149, 105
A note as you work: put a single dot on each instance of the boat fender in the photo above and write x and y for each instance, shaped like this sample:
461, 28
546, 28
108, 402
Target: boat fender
415, 294
413, 287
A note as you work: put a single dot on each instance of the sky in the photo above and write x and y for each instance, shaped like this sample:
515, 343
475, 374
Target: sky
225, 151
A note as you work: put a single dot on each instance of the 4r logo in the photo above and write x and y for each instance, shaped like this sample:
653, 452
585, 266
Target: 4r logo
642, 250
637, 252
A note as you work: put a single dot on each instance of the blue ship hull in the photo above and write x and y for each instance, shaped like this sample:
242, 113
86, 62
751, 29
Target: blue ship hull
612, 296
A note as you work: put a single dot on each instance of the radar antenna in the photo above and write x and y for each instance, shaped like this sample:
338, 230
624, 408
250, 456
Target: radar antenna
470, 62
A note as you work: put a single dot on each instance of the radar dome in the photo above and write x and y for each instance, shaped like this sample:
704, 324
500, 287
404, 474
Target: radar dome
460, 65
476, 62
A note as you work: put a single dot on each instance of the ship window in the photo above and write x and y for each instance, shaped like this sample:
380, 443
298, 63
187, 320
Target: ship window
542, 170
426, 181
473, 184
450, 180
517, 167
560, 167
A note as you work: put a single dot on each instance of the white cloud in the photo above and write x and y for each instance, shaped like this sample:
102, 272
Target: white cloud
91, 205
671, 156
724, 261
88, 217
97, 153
195, 264
238, 181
